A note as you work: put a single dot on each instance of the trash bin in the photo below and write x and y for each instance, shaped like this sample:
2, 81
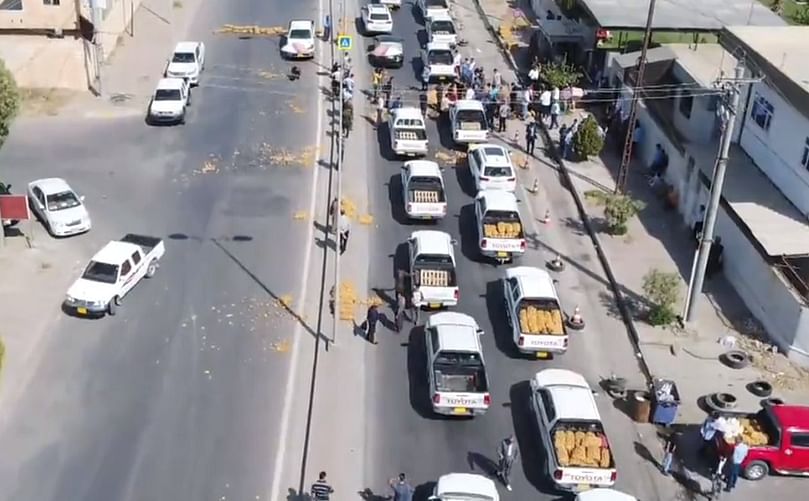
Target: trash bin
665, 402
641, 406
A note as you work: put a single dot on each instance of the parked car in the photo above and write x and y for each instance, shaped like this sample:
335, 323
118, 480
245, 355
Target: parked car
501, 233
464, 486
491, 167
423, 193
299, 42
376, 19
431, 8
169, 102
467, 119
441, 61
441, 28
433, 279
187, 61
60, 209
387, 52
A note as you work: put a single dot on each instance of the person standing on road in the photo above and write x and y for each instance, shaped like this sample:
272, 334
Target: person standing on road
380, 110
402, 490
326, 28
506, 455
555, 110
707, 431
371, 318
739, 454
669, 448
502, 116
401, 298
387, 90
348, 120
530, 137
425, 78
345, 230
321, 490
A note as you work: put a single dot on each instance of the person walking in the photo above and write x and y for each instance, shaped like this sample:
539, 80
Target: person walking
530, 137
376, 82
708, 431
556, 108
740, 452
506, 455
348, 120
425, 78
369, 326
497, 78
327, 28
402, 490
502, 116
387, 90
380, 110
401, 298
345, 230
669, 448
544, 104
417, 298
321, 490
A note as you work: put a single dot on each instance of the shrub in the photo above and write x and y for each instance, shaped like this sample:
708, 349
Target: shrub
588, 140
560, 75
9, 101
663, 291
618, 209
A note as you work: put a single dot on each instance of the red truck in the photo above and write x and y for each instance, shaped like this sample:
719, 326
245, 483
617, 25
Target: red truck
785, 429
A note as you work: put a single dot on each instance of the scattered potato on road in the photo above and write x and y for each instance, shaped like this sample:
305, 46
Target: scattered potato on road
235, 29
366, 219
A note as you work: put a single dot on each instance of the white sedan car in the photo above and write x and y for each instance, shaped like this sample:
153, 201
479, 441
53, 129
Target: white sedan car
58, 207
491, 168
376, 18
393, 4
300, 40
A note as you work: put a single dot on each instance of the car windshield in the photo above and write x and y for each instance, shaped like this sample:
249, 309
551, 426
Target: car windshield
444, 27
183, 57
460, 358
440, 56
300, 34
63, 200
433, 260
378, 16
101, 272
436, 3
167, 95
497, 172
492, 151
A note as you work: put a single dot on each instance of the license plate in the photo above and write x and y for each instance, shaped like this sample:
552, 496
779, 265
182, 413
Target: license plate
81, 311
435, 306
543, 354
502, 254
459, 410
583, 487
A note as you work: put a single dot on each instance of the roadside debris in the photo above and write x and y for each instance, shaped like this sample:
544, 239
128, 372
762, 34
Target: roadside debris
251, 30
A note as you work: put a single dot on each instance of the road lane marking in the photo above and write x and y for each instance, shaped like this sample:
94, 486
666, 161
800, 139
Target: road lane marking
289, 390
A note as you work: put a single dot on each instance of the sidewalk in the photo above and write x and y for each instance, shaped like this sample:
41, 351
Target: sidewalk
658, 238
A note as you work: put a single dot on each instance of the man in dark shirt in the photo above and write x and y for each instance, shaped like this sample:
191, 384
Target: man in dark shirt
321, 490
402, 491
371, 318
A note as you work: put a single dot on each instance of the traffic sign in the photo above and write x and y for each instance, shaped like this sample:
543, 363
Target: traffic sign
344, 42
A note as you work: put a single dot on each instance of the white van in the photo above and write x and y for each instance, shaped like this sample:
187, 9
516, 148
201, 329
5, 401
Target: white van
604, 495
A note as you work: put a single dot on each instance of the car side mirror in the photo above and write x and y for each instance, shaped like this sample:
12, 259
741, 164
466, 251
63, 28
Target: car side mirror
81, 198
403, 167
453, 242
480, 332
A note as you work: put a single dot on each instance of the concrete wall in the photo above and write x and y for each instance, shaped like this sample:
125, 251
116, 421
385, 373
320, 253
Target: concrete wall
35, 15
777, 151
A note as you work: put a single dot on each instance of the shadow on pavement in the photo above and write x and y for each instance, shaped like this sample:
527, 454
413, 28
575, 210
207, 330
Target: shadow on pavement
368, 495
495, 306
397, 209
383, 140
481, 463
467, 230
293, 495
423, 491
464, 177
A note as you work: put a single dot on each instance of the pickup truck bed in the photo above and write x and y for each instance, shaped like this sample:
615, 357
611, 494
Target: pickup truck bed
144, 242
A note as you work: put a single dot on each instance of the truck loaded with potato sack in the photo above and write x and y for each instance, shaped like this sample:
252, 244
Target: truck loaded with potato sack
423, 192
777, 437
408, 133
432, 270
500, 229
578, 453
534, 312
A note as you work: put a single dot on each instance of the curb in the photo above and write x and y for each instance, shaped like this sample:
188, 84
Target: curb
626, 316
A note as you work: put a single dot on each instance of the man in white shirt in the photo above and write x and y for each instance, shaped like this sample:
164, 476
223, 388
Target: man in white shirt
470, 93
544, 104
533, 74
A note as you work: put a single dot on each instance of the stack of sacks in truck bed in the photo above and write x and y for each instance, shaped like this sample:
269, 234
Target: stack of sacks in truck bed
425, 197
581, 449
502, 230
536, 321
434, 278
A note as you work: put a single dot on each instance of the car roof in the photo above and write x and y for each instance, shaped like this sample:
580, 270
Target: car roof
468, 104
408, 112
456, 331
604, 495
498, 200
51, 185
493, 160
301, 24
466, 483
438, 46
115, 252
442, 15
378, 8
533, 282
572, 397
388, 39
170, 83
426, 168
433, 242
186, 46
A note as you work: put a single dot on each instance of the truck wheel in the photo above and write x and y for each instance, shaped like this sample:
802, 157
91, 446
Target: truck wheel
112, 308
182, 118
151, 269
756, 470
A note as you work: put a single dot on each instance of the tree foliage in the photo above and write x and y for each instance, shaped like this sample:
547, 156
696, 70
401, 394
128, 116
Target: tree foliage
800, 15
618, 209
588, 140
560, 74
663, 291
9, 101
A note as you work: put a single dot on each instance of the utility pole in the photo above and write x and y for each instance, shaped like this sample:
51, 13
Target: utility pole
728, 118
340, 144
626, 158
97, 6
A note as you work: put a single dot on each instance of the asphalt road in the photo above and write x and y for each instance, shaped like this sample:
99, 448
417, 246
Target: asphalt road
179, 395
405, 436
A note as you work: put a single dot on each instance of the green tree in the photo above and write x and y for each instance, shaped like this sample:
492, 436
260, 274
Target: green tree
9, 101
800, 15
618, 209
663, 291
560, 74
589, 139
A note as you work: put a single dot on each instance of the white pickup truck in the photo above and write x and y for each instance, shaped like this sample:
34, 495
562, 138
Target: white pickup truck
463, 487
433, 281
578, 454
423, 193
533, 311
187, 61
169, 102
500, 227
441, 61
456, 370
441, 28
112, 273
408, 133
468, 121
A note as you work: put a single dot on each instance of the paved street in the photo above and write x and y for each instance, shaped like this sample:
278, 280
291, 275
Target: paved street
180, 395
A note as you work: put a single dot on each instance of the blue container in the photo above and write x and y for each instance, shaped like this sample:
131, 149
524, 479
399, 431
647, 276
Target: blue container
665, 413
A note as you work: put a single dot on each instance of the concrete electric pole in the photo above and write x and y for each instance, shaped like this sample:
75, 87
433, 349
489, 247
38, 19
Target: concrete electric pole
97, 7
728, 111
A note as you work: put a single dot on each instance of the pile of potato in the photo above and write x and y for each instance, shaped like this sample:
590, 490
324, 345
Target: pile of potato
536, 321
502, 230
581, 449
752, 433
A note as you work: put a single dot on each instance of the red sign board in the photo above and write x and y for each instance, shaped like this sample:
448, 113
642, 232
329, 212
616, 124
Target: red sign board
14, 207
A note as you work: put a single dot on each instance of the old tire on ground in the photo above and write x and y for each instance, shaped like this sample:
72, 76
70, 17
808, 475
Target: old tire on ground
735, 359
760, 388
722, 403
151, 269
756, 470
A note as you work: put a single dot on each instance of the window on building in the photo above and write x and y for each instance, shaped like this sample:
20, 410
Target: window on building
10, 4
50, 2
805, 156
762, 112
686, 103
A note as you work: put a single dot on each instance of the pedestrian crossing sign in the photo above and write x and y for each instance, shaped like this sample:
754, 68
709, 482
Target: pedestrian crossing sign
344, 42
